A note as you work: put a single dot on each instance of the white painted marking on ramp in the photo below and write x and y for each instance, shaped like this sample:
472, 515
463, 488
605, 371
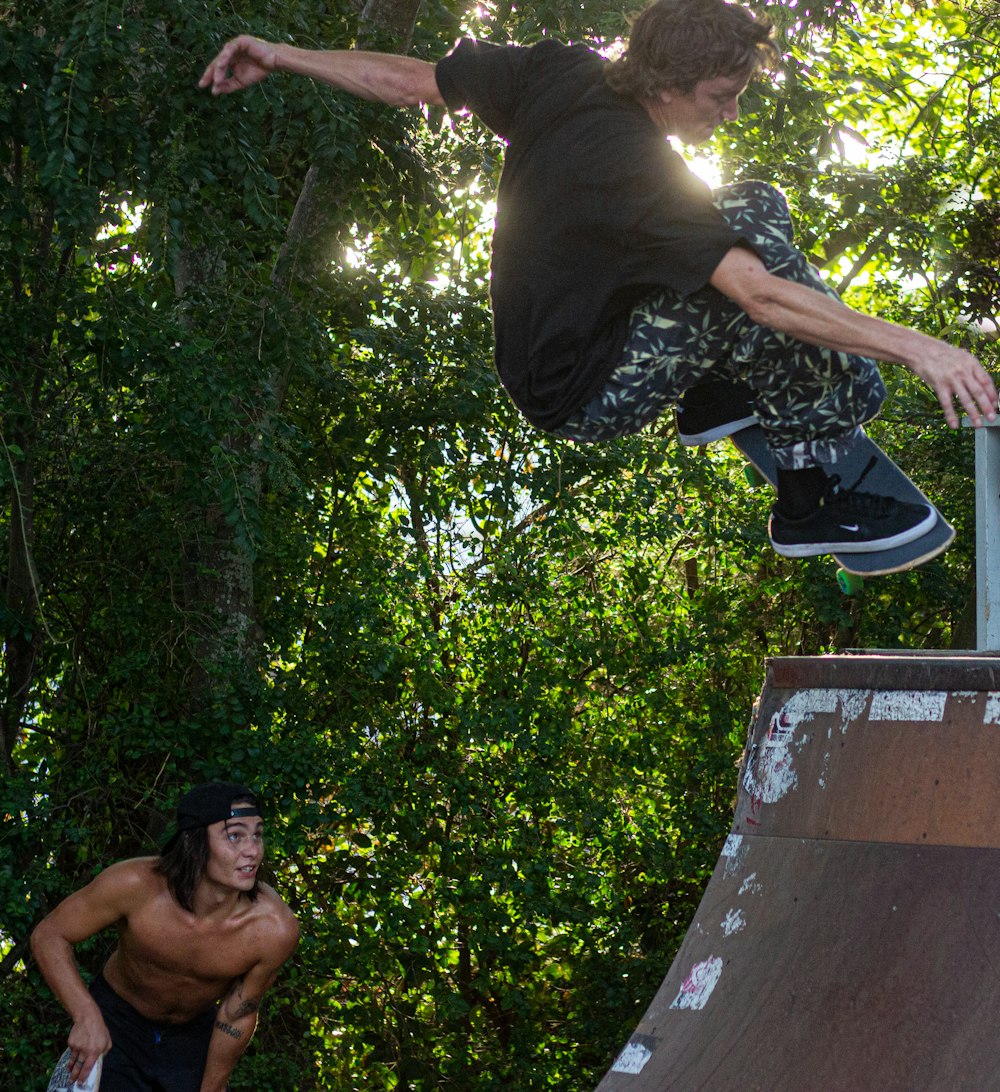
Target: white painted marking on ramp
807, 703
734, 853
775, 774
992, 714
732, 846
734, 922
751, 886
901, 705
769, 774
699, 984
632, 1058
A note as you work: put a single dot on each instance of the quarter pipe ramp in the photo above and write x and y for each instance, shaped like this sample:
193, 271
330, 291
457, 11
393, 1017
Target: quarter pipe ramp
849, 938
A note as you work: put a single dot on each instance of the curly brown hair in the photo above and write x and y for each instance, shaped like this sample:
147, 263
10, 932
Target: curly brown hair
675, 44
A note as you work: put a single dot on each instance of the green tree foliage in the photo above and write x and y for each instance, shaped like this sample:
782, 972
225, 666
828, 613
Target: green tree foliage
268, 516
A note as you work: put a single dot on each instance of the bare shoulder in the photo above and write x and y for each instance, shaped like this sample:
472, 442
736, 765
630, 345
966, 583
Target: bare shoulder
277, 927
115, 894
135, 872
131, 881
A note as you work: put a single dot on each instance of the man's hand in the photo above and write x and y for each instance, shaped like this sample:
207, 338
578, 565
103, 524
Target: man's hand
957, 376
88, 1040
240, 63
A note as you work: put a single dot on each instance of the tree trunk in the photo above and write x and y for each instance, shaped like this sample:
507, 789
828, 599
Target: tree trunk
220, 568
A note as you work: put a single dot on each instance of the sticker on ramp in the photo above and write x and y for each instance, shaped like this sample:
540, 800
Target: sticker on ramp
635, 1054
698, 985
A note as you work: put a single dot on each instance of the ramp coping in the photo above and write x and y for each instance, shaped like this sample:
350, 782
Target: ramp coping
887, 670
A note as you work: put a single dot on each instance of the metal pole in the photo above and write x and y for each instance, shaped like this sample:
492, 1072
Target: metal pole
988, 538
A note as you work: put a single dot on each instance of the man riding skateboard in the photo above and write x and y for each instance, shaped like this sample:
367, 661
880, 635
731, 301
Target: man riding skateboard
200, 940
621, 285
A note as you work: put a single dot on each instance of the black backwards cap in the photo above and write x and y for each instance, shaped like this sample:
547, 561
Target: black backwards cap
212, 803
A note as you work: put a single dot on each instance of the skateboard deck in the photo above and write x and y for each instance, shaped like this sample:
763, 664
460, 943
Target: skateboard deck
62, 1082
885, 478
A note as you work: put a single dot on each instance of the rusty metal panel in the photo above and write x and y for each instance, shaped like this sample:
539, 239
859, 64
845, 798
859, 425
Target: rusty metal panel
849, 938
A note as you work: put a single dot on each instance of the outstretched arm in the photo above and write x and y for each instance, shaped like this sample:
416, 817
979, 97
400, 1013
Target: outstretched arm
809, 315
380, 77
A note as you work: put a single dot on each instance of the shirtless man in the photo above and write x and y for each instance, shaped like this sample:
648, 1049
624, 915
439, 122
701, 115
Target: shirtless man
621, 286
200, 939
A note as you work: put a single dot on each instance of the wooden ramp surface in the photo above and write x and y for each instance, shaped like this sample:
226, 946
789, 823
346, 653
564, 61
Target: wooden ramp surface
849, 938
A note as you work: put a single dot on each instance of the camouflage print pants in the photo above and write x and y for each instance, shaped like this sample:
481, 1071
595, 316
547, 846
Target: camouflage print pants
810, 401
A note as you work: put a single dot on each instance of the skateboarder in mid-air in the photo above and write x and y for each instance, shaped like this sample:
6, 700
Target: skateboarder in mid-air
200, 939
621, 285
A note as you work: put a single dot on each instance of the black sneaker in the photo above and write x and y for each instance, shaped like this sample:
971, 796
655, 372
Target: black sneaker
713, 409
850, 522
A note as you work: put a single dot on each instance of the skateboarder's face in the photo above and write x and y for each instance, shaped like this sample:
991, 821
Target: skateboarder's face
693, 116
236, 849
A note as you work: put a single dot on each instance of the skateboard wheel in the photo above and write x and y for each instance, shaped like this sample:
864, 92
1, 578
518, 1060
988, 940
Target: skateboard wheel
850, 583
753, 476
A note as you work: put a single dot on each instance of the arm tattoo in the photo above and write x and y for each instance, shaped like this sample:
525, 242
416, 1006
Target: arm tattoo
229, 1030
245, 1007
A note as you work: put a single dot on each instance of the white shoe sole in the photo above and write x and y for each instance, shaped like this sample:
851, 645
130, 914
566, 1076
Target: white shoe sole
720, 432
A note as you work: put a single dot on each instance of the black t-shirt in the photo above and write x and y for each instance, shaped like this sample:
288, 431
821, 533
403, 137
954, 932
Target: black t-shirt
594, 211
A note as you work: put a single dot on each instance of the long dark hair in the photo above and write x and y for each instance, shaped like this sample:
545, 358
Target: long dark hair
675, 44
183, 862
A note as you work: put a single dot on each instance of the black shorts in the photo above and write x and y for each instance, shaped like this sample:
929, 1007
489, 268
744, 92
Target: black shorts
150, 1057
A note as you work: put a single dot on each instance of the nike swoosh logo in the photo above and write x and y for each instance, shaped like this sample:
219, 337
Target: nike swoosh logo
850, 526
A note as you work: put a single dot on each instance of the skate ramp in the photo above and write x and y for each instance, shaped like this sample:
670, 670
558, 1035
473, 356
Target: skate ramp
849, 938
